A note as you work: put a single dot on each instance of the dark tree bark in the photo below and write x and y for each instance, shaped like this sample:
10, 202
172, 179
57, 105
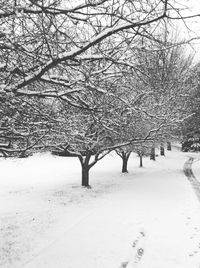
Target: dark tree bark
162, 150
85, 170
124, 156
152, 154
169, 147
141, 158
85, 176
124, 165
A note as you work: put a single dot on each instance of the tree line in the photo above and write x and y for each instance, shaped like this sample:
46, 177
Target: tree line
86, 79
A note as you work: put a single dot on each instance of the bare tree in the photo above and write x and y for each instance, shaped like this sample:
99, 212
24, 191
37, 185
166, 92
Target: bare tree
45, 42
24, 125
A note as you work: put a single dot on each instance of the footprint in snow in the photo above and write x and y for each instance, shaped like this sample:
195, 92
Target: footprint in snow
137, 252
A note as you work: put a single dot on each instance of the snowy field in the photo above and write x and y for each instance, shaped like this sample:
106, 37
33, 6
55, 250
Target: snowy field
47, 220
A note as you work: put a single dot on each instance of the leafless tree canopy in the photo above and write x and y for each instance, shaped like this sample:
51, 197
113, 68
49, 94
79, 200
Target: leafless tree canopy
87, 77
47, 41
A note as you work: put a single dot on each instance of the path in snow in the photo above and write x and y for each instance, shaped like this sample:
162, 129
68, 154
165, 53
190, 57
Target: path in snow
190, 175
158, 201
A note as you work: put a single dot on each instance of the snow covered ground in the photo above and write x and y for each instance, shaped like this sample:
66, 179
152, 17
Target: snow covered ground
196, 164
48, 220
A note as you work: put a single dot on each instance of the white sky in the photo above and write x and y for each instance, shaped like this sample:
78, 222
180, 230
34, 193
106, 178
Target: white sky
193, 24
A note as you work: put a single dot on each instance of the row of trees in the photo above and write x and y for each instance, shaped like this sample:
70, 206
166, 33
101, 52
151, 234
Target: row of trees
190, 130
83, 79
136, 110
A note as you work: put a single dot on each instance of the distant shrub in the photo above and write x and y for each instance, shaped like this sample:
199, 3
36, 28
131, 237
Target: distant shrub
191, 143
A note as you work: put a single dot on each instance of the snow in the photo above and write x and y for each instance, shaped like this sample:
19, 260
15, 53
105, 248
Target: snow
2, 65
148, 218
196, 164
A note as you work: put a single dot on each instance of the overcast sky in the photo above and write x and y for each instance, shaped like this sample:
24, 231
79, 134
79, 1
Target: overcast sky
193, 30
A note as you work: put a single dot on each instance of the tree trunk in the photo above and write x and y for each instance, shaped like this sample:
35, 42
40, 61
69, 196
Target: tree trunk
141, 164
162, 150
152, 155
125, 157
85, 170
85, 176
124, 165
169, 147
